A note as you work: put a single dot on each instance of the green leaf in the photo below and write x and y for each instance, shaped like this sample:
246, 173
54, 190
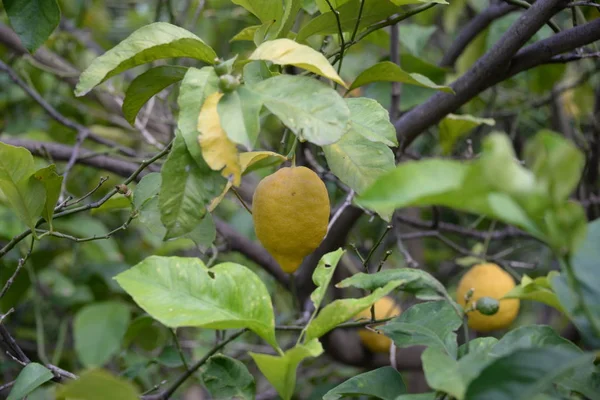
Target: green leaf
382, 383
184, 292
256, 71
32, 376
387, 71
185, 191
429, 324
196, 86
98, 330
289, 52
227, 378
311, 109
422, 284
32, 20
369, 119
530, 336
265, 10
98, 384
323, 274
52, 183
239, 115
537, 289
148, 187
146, 85
442, 373
342, 310
246, 34
149, 43
280, 371
454, 127
418, 396
524, 373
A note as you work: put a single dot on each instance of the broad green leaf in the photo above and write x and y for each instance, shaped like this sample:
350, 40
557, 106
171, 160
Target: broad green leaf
256, 71
415, 37
470, 365
196, 86
454, 127
30, 378
288, 52
382, 383
218, 151
369, 119
342, 310
537, 289
442, 373
311, 109
584, 380
530, 336
32, 20
152, 42
227, 378
265, 10
280, 371
246, 34
478, 345
184, 292
556, 162
421, 283
287, 20
323, 274
429, 324
145, 332
387, 71
148, 187
146, 85
324, 5
239, 115
98, 330
16, 163
52, 183
98, 384
185, 191
524, 373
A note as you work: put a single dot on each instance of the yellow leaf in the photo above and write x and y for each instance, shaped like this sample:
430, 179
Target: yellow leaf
288, 52
218, 151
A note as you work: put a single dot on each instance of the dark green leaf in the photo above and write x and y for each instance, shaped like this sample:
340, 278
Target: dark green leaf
148, 187
149, 43
383, 383
531, 336
227, 378
52, 183
419, 396
31, 377
146, 85
442, 372
98, 384
238, 112
184, 292
98, 330
32, 20
387, 71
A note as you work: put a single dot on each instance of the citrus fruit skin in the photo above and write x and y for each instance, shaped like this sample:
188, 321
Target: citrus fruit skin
488, 280
290, 209
385, 307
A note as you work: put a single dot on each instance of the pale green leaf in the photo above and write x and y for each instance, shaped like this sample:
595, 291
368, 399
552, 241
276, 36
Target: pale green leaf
52, 183
239, 116
32, 376
387, 71
98, 384
454, 127
323, 274
369, 119
265, 10
442, 372
383, 383
535, 289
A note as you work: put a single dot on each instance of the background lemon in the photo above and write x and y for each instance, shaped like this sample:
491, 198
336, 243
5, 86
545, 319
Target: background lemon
290, 209
385, 307
492, 281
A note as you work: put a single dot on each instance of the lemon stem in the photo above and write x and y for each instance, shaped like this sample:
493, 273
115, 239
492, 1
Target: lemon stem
292, 152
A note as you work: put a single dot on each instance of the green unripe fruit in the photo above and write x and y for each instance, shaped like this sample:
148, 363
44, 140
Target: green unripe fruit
228, 83
221, 68
487, 306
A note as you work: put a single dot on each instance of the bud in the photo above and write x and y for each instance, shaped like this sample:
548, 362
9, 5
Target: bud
228, 83
487, 305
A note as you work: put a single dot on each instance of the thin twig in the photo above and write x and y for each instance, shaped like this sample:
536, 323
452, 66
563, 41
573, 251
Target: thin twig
341, 33
20, 265
179, 350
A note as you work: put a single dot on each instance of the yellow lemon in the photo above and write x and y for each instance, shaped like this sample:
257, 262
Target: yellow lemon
488, 280
385, 307
290, 209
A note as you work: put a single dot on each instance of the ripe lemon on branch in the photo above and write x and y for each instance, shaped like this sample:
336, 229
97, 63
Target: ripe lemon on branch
488, 280
290, 209
385, 307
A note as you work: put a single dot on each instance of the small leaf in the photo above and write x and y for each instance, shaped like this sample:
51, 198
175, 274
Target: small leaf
98, 384
196, 86
280, 371
149, 43
228, 378
146, 85
323, 274
288, 52
256, 71
32, 376
311, 109
387, 71
52, 183
369, 119
148, 187
382, 383
98, 330
246, 34
442, 373
429, 324
239, 115
218, 151
32, 20
536, 289
342, 310
184, 292
454, 127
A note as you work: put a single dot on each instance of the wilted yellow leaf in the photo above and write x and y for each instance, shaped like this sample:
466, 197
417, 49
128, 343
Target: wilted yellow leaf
218, 151
288, 52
